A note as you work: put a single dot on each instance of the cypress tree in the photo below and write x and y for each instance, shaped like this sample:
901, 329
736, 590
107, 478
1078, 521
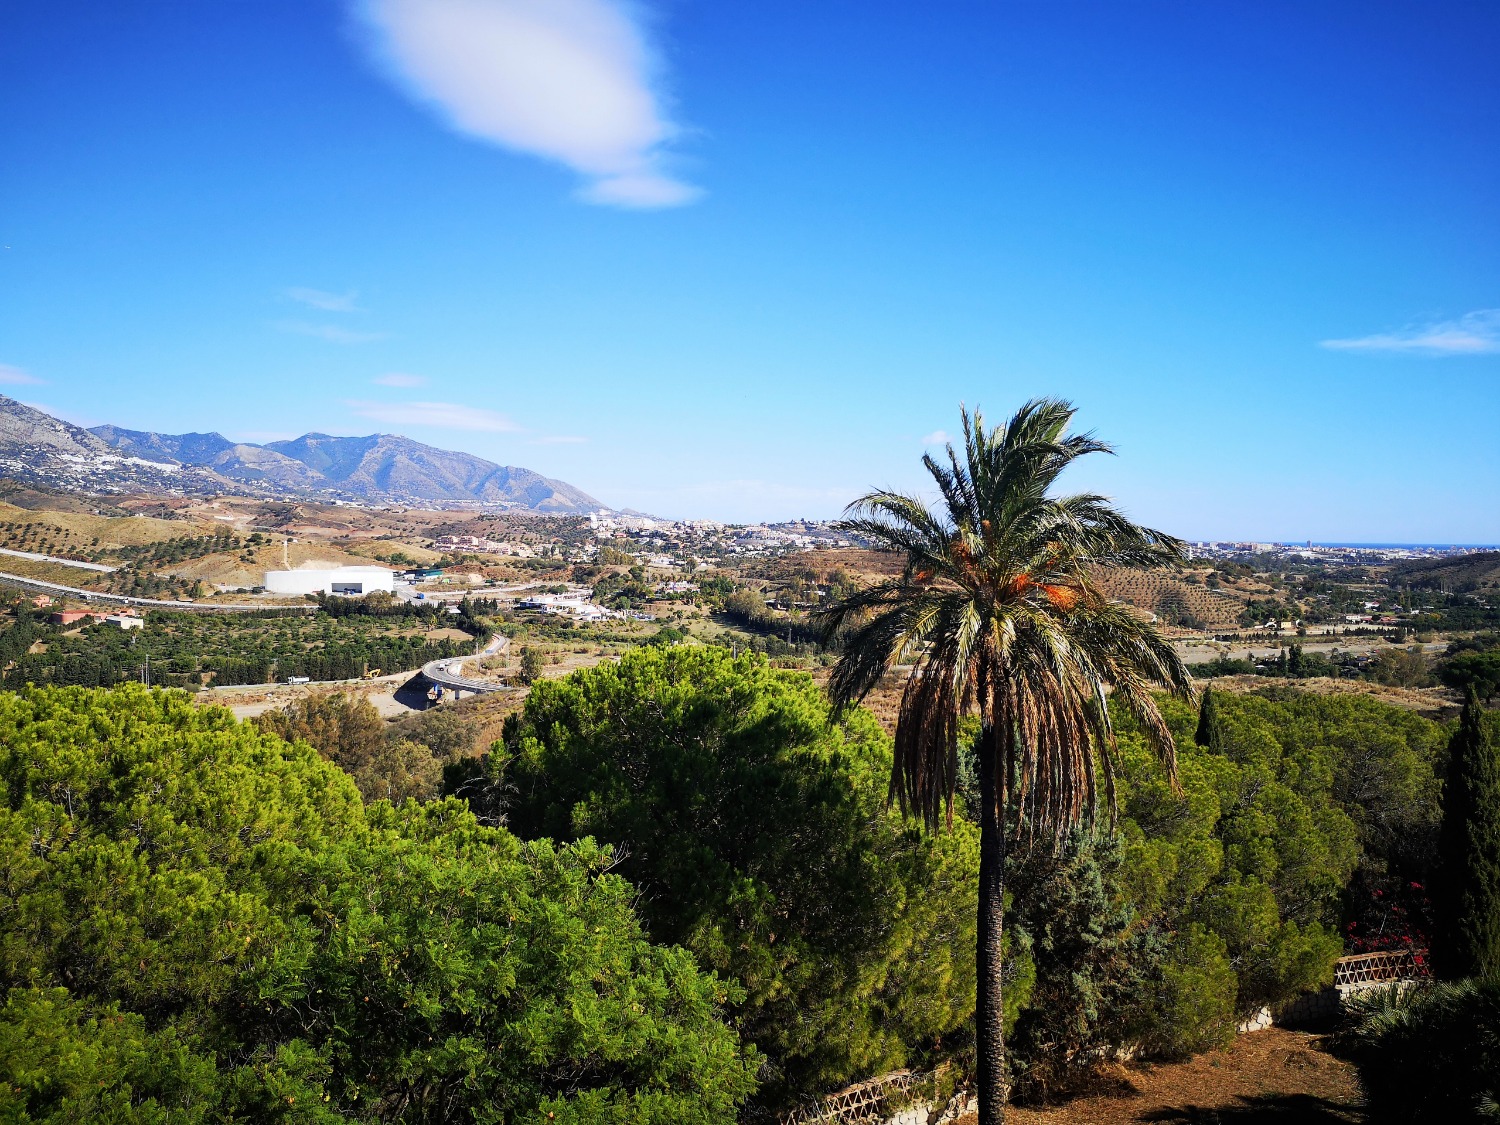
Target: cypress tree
1210, 732
1466, 938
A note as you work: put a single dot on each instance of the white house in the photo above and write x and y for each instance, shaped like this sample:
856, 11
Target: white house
346, 581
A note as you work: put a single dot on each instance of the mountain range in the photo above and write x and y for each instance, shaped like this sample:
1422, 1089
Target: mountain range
379, 468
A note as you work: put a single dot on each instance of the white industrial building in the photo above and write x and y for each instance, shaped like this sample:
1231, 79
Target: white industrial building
346, 581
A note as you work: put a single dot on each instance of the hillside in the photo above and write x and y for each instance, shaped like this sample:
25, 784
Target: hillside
44, 453
1459, 575
38, 449
1171, 597
391, 467
382, 468
72, 534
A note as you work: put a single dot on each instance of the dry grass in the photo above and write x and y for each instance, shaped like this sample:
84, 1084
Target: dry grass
53, 572
111, 531
228, 568
370, 548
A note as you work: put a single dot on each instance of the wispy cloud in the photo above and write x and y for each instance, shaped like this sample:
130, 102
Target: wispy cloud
14, 376
559, 439
400, 379
441, 415
751, 490
569, 80
324, 301
67, 414
937, 437
1475, 333
333, 333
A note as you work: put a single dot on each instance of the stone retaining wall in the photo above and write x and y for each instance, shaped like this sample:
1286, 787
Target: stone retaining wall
1327, 1004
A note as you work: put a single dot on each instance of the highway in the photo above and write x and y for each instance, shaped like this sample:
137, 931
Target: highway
448, 672
79, 563
148, 603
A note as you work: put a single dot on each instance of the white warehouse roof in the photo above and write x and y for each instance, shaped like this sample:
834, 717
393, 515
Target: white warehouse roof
344, 580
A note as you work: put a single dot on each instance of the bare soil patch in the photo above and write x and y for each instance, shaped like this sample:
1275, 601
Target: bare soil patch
1272, 1077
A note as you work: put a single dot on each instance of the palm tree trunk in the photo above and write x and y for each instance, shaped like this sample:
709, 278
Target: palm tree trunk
989, 1061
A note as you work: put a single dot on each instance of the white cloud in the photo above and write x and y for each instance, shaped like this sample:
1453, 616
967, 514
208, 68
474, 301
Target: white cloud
568, 80
333, 333
442, 415
14, 376
937, 437
325, 301
559, 439
1475, 333
400, 379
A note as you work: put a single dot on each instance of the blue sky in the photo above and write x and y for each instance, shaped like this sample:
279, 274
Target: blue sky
745, 260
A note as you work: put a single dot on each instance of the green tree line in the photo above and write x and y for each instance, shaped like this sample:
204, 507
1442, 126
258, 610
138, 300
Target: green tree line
182, 649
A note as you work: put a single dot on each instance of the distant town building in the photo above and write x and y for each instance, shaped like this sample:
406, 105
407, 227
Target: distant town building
344, 581
484, 546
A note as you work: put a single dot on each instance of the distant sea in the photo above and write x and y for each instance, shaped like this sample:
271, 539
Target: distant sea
1411, 546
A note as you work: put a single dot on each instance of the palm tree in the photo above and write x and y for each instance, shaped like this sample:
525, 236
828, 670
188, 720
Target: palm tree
996, 611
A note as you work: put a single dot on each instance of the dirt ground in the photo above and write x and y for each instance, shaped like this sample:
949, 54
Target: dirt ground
1272, 1077
385, 693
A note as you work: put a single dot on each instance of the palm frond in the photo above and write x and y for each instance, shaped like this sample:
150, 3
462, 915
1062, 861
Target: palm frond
995, 610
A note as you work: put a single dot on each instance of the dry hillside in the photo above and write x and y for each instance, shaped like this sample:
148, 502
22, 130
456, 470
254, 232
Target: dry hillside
1466, 573
1171, 597
248, 567
1168, 595
78, 531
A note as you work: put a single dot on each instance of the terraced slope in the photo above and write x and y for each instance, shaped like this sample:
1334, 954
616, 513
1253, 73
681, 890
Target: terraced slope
1172, 598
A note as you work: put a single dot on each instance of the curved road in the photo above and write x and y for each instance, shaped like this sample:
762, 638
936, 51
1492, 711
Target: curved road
448, 672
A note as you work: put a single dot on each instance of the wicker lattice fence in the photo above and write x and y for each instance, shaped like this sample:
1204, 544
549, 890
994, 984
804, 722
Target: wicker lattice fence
1380, 968
872, 1101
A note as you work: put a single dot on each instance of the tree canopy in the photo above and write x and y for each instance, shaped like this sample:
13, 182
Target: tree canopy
755, 826
198, 917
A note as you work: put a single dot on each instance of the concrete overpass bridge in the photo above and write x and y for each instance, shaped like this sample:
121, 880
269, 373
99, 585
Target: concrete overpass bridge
448, 673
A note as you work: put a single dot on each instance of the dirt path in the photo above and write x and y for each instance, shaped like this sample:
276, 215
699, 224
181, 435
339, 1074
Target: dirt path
1273, 1077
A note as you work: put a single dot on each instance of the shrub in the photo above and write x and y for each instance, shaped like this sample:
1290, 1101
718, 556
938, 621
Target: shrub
347, 730
1467, 937
532, 663
1189, 1002
1089, 961
1429, 1053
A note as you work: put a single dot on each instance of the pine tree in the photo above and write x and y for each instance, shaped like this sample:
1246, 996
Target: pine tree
1466, 939
1210, 733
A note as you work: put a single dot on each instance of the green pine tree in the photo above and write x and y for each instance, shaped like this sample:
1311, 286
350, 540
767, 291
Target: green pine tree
1210, 733
1466, 938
